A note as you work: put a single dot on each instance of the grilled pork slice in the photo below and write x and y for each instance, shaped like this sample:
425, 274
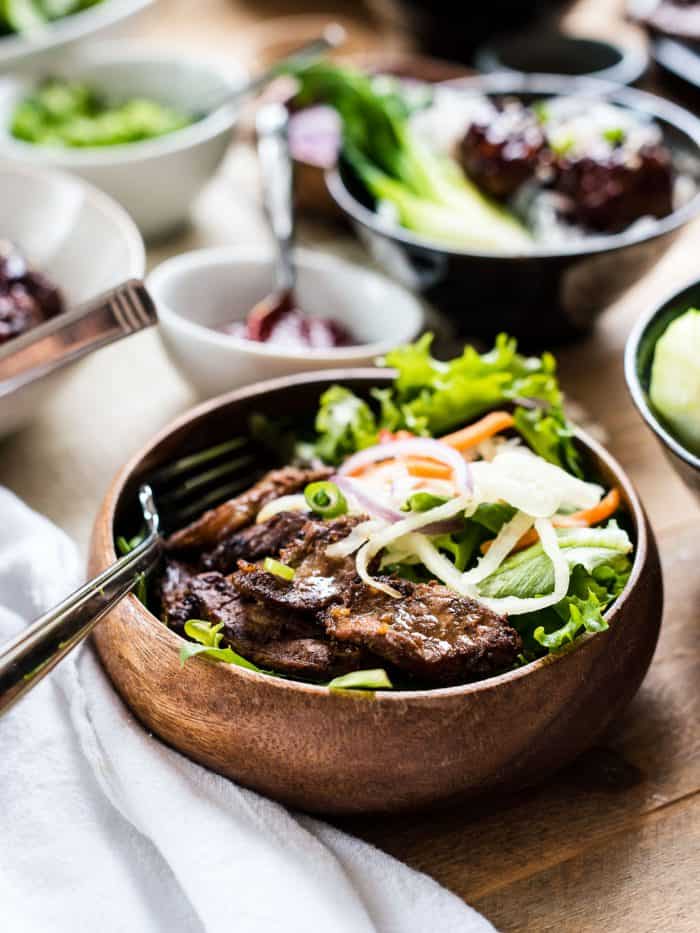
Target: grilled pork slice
255, 542
176, 602
429, 632
212, 527
319, 580
274, 639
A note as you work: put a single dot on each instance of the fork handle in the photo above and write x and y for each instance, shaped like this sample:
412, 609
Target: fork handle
277, 175
67, 337
29, 657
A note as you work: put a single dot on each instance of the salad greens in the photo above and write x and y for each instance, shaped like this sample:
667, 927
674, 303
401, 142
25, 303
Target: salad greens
431, 397
429, 192
206, 640
71, 114
25, 15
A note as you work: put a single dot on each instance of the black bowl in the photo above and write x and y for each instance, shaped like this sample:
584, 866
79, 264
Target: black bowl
560, 54
546, 295
639, 356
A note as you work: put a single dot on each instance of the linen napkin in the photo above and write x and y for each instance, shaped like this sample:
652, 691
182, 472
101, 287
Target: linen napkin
104, 829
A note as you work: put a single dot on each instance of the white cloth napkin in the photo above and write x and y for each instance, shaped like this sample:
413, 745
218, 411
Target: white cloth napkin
104, 829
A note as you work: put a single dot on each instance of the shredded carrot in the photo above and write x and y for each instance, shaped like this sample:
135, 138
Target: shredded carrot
430, 469
607, 506
473, 434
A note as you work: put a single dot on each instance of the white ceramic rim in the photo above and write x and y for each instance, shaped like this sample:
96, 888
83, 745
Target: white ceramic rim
129, 51
202, 258
15, 47
114, 212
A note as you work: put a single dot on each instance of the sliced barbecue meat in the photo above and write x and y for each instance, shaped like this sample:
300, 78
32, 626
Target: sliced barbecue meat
176, 602
503, 153
288, 643
256, 541
319, 579
212, 527
429, 632
307, 553
608, 194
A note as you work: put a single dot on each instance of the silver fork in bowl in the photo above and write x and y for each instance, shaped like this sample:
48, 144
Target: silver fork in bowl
183, 488
63, 339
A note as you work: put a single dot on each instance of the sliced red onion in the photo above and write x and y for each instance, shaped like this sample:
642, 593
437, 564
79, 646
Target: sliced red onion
414, 447
315, 135
377, 509
367, 501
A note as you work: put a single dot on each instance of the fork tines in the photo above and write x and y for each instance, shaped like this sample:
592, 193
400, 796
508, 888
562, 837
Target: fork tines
190, 485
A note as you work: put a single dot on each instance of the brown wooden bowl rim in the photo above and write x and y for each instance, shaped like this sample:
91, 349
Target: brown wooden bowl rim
107, 510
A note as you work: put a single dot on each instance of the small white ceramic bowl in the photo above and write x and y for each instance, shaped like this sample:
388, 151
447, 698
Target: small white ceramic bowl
158, 179
44, 46
197, 291
74, 234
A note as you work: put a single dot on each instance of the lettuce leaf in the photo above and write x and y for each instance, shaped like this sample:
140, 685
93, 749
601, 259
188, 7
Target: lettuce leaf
529, 573
207, 641
345, 424
431, 397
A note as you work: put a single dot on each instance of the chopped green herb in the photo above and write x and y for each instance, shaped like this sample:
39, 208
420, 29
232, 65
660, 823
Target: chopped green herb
541, 111
423, 502
209, 638
325, 499
615, 136
278, 569
376, 679
71, 114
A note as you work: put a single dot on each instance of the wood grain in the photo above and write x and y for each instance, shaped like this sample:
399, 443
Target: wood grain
332, 753
612, 844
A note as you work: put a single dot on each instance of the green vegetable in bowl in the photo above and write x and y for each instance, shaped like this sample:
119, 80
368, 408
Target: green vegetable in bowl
26, 15
71, 114
429, 192
675, 379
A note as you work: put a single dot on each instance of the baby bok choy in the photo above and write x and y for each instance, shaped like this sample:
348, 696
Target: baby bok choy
427, 191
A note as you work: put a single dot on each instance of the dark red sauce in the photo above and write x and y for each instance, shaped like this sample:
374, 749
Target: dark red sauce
27, 298
280, 322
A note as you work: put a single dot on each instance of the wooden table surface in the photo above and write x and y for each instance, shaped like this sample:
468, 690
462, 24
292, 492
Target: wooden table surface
612, 844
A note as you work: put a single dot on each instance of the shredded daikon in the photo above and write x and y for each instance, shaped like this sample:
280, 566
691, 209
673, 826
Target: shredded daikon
532, 485
515, 605
357, 537
295, 503
503, 544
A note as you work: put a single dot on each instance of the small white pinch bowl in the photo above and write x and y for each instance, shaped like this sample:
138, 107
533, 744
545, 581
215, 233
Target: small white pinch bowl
198, 291
156, 180
75, 235
45, 45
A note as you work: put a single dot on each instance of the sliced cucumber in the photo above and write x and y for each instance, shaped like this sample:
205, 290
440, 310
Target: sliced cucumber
675, 379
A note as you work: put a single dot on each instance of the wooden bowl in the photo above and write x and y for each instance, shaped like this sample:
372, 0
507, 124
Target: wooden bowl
349, 753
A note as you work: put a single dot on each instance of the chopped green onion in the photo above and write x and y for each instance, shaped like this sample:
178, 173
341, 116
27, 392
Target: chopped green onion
375, 679
278, 569
423, 502
541, 111
325, 499
615, 136
209, 638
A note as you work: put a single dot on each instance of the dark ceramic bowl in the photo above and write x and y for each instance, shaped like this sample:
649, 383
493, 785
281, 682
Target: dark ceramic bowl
347, 752
639, 356
560, 54
551, 293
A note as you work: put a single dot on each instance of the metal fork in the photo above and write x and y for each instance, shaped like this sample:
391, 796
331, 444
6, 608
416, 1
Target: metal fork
184, 488
117, 313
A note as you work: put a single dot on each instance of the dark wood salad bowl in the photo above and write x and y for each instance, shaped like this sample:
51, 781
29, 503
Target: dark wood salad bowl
351, 752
